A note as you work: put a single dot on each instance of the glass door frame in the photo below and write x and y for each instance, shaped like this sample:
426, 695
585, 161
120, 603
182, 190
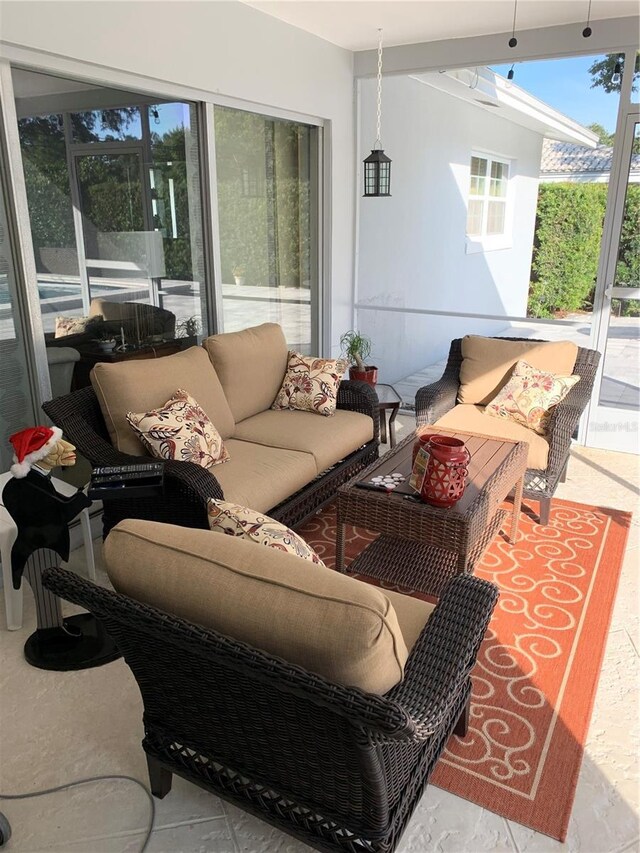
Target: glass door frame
17, 215
320, 257
113, 149
605, 425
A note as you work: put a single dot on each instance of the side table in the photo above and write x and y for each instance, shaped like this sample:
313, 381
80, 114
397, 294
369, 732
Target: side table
388, 401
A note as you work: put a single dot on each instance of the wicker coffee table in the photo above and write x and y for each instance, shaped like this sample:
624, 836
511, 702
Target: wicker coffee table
422, 546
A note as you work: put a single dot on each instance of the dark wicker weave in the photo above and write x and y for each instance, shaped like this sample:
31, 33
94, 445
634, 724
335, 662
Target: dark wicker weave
435, 400
188, 487
340, 769
422, 547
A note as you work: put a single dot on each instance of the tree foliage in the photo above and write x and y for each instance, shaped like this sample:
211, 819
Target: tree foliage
567, 242
604, 137
566, 247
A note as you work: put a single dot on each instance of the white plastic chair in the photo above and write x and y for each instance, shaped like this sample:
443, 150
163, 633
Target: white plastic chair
8, 532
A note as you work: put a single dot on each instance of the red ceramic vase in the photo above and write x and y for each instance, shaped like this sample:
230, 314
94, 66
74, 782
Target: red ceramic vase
446, 473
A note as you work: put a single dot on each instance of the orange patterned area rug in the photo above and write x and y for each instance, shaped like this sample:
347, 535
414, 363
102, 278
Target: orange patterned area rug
538, 667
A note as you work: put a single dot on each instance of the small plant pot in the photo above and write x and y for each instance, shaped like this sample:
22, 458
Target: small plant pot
106, 346
239, 280
368, 375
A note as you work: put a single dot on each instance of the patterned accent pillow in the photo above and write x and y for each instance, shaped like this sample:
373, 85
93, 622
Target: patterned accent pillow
236, 520
529, 396
180, 430
72, 325
311, 384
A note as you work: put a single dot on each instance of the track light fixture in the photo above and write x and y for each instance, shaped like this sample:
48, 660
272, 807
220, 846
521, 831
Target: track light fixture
616, 77
587, 30
513, 41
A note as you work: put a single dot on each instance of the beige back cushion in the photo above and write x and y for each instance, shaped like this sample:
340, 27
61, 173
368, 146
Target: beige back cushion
326, 622
143, 384
251, 365
487, 364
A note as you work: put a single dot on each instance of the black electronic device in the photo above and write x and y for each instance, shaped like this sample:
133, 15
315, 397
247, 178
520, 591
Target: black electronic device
124, 481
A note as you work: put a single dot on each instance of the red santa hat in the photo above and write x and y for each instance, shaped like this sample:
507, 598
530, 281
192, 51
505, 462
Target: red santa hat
30, 445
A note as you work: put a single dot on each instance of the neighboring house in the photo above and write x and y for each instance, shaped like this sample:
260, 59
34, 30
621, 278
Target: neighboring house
566, 161
457, 233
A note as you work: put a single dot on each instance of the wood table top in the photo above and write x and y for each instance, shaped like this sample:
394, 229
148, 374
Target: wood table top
487, 456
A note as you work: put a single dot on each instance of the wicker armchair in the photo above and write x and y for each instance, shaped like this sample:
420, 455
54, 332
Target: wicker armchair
433, 401
336, 767
188, 487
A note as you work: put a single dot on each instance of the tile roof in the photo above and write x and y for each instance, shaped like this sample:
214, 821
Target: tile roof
569, 158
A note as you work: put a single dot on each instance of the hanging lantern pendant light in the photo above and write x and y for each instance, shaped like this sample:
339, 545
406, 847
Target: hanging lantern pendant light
377, 166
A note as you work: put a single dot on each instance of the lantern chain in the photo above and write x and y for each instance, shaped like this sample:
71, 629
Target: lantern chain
378, 139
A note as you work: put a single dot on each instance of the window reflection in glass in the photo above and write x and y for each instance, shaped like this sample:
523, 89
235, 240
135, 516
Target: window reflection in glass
106, 125
265, 206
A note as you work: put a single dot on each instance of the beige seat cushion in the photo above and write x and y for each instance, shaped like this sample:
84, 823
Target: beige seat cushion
251, 365
473, 419
324, 621
328, 439
261, 477
412, 613
487, 364
144, 384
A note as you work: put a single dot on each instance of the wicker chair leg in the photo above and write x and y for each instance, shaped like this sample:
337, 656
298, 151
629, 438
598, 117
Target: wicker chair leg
563, 476
462, 725
545, 509
159, 778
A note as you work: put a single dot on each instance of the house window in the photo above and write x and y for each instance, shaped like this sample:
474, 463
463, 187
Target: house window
487, 211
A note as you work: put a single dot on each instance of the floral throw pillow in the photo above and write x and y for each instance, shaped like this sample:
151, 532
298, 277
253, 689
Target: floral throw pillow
236, 520
529, 396
71, 326
311, 384
180, 430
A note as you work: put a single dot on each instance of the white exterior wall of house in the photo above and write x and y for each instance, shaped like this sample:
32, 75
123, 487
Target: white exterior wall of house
412, 249
223, 47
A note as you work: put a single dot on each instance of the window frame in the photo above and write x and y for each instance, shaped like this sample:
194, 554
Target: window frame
484, 242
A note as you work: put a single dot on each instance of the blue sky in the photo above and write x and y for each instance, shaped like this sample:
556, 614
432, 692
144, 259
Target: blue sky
565, 84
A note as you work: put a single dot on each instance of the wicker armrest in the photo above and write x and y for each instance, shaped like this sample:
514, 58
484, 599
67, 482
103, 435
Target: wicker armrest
562, 424
435, 400
445, 652
360, 397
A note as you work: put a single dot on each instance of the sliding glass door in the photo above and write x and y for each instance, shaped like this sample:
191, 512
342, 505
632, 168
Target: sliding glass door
267, 197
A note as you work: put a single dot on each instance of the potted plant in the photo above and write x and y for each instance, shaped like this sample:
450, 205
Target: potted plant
238, 272
357, 348
103, 336
189, 327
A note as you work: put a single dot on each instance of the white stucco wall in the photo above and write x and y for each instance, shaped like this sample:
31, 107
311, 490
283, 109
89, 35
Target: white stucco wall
412, 246
223, 47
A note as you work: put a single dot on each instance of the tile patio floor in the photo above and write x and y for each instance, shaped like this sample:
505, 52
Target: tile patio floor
56, 727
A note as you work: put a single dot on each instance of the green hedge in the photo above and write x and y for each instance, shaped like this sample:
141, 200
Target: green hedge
566, 247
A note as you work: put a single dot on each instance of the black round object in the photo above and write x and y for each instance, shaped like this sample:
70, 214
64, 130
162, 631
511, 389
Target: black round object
81, 643
513, 41
587, 32
5, 830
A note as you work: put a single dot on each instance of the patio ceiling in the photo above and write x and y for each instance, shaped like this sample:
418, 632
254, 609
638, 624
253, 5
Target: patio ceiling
353, 24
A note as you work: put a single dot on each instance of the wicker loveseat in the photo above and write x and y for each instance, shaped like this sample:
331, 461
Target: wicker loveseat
285, 463
443, 402
336, 765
